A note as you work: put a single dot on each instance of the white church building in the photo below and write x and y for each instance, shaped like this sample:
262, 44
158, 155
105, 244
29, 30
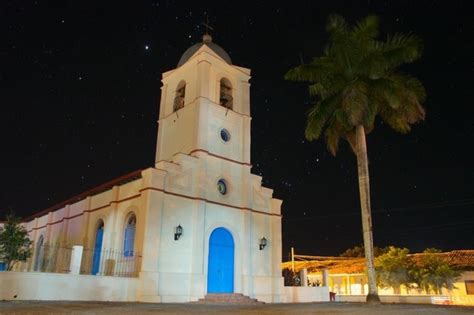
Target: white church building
199, 220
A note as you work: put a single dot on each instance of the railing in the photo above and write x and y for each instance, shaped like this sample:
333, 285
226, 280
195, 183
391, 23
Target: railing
105, 262
50, 258
110, 262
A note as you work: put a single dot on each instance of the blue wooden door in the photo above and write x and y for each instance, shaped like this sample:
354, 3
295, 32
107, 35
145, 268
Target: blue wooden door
220, 273
97, 250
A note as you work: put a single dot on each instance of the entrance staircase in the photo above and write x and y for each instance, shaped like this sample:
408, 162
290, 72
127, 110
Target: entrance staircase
228, 298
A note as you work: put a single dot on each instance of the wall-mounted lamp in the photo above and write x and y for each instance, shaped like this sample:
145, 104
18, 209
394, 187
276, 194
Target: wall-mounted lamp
177, 232
263, 243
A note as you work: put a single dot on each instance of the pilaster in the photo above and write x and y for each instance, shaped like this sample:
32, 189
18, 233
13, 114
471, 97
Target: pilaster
30, 264
203, 81
47, 236
65, 224
85, 226
152, 218
197, 288
114, 205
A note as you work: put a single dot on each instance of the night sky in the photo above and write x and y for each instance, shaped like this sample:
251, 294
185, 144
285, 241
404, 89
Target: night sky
79, 100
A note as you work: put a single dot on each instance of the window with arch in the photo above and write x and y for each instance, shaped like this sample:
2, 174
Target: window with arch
179, 97
99, 237
225, 95
39, 254
129, 235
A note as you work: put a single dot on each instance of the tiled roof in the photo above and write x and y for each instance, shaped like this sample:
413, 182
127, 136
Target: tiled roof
463, 259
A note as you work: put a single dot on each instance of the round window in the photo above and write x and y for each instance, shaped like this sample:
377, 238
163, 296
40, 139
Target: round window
225, 135
222, 186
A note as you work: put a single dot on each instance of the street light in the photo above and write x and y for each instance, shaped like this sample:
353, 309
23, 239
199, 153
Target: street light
178, 231
263, 243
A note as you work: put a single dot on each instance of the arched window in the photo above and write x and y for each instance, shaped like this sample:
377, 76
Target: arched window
39, 254
99, 236
179, 98
225, 96
129, 236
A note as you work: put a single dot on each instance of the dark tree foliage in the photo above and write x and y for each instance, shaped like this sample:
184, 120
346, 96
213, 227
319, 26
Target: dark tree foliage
393, 268
358, 251
291, 278
15, 244
432, 273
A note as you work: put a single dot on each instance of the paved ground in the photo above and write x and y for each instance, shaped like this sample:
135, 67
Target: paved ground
34, 307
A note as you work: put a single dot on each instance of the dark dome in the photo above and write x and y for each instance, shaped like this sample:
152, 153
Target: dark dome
206, 40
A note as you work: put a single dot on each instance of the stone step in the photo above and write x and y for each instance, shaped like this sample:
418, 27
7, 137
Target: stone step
228, 298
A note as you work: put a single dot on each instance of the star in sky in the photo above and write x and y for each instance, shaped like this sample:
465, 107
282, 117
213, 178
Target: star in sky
60, 90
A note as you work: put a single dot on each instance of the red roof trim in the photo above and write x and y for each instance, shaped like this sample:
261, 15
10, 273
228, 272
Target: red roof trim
94, 191
219, 156
82, 213
160, 190
210, 201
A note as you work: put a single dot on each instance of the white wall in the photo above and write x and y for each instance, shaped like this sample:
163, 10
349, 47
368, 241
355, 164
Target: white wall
53, 286
411, 299
306, 294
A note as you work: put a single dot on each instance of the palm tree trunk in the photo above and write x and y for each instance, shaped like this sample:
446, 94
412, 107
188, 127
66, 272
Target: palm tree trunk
364, 191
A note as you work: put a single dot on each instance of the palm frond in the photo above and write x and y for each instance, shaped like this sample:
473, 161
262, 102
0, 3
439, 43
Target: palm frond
328, 85
315, 71
307, 72
335, 130
350, 137
372, 65
367, 28
333, 136
400, 48
395, 120
387, 91
399, 97
416, 87
317, 89
354, 103
318, 117
356, 80
369, 118
336, 24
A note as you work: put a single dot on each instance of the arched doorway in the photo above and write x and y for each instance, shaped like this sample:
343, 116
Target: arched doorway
220, 271
39, 254
99, 235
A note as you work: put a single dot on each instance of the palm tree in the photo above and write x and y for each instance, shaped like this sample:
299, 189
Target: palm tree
354, 81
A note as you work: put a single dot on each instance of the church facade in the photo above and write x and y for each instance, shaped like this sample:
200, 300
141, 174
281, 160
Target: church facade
200, 220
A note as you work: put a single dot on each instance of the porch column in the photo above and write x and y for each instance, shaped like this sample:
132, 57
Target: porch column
348, 284
304, 277
325, 274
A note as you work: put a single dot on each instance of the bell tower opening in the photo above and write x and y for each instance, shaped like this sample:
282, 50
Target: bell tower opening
225, 96
180, 96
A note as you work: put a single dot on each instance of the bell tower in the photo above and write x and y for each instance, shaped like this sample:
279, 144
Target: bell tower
202, 182
205, 106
